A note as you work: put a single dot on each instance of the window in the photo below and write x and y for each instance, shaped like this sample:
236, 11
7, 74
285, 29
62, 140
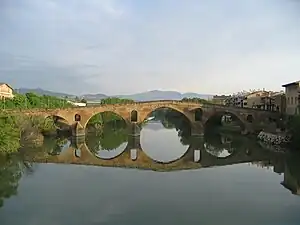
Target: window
292, 102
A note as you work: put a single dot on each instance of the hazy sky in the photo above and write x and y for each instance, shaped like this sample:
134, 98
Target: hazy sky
126, 46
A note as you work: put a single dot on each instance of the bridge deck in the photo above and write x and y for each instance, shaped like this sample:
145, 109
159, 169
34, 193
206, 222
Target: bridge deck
187, 103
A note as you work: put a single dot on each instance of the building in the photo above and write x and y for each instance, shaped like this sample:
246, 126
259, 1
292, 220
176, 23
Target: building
236, 100
220, 99
6, 91
279, 100
265, 100
80, 104
292, 91
256, 99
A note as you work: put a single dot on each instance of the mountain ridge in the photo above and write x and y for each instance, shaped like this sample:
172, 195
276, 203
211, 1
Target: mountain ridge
151, 95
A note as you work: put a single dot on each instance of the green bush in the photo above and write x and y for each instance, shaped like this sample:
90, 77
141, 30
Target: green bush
32, 100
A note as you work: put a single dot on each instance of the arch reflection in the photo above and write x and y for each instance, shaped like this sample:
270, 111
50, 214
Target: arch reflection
219, 145
109, 143
168, 147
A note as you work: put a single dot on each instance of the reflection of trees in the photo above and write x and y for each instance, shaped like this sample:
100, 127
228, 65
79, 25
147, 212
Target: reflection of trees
110, 138
216, 142
11, 170
171, 119
57, 145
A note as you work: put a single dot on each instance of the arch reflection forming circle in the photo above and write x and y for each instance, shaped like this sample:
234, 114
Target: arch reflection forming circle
160, 144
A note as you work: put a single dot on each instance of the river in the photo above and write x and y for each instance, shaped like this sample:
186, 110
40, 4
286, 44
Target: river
161, 177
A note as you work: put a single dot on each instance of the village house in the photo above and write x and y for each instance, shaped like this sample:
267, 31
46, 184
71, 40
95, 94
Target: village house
292, 91
6, 91
237, 100
261, 99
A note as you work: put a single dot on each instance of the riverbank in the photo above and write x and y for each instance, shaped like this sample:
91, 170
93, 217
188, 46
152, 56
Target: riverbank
16, 130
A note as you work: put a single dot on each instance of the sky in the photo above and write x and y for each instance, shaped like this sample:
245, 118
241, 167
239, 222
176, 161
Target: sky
130, 46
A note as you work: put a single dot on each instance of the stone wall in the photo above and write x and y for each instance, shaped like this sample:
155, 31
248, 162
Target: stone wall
273, 139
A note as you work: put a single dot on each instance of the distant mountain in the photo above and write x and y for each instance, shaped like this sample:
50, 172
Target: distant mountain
163, 95
40, 91
143, 96
94, 97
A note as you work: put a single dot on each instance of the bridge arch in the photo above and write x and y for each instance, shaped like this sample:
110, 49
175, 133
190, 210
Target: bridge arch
58, 121
172, 107
198, 113
216, 119
115, 113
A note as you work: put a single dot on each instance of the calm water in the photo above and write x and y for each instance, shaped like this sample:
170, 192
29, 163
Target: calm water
162, 178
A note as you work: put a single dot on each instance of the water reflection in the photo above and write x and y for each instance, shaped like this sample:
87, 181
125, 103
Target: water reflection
221, 187
11, 170
108, 143
219, 145
168, 146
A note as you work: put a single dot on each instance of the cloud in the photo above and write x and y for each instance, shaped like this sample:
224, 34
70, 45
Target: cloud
127, 46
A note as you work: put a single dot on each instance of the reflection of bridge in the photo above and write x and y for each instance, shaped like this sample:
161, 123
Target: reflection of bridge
134, 157
197, 113
196, 156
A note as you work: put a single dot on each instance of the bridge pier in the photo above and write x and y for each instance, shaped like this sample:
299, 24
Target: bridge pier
77, 141
77, 130
133, 129
197, 129
134, 142
134, 145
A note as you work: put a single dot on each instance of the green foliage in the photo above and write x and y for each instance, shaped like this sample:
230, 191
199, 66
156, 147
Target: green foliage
31, 100
42, 124
11, 170
195, 100
114, 100
12, 127
111, 138
59, 143
9, 138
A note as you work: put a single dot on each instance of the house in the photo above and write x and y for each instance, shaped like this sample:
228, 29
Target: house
236, 100
220, 99
292, 91
279, 100
6, 91
260, 100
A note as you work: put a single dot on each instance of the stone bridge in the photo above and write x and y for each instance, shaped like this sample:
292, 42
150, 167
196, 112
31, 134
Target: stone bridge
133, 156
197, 113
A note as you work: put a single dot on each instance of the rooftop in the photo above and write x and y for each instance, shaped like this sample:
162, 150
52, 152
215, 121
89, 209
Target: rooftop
290, 84
1, 83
